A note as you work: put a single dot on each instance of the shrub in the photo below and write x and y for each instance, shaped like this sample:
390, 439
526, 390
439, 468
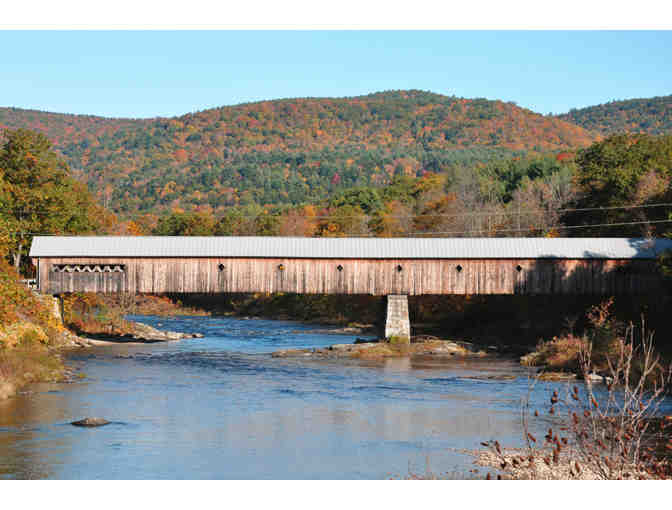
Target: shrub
18, 304
616, 432
88, 313
399, 340
604, 335
560, 353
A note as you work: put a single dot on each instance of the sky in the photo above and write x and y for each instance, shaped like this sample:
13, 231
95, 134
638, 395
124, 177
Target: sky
166, 73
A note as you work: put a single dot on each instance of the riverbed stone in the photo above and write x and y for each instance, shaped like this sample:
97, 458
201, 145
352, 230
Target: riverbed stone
90, 422
146, 332
593, 377
556, 376
287, 353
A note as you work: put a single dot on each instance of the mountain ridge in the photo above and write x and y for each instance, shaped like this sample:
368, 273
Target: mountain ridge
652, 115
289, 151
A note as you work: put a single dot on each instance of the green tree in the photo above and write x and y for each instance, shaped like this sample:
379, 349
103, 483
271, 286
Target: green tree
186, 224
366, 199
624, 170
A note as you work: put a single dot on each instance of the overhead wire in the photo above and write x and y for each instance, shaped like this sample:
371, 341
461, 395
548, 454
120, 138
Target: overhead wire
435, 215
464, 232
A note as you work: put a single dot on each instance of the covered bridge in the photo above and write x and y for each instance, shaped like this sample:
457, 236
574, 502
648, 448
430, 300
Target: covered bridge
377, 266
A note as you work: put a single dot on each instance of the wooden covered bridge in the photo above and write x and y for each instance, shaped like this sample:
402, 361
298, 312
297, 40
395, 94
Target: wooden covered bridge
379, 266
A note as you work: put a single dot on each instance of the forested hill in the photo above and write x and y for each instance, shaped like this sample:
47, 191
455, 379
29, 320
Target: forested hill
289, 151
649, 115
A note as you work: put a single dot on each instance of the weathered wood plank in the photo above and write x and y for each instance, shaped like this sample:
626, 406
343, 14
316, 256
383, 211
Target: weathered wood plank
360, 276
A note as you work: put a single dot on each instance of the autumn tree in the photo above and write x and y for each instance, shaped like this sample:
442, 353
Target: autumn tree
395, 219
38, 196
344, 221
299, 222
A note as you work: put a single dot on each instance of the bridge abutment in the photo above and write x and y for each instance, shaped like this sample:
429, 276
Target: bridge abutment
397, 323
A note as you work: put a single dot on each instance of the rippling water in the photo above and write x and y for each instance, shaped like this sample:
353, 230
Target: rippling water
222, 407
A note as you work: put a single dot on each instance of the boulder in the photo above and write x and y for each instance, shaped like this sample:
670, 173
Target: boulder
556, 376
593, 377
286, 353
341, 347
90, 422
145, 332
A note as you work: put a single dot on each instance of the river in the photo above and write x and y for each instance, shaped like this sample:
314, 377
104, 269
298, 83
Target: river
220, 407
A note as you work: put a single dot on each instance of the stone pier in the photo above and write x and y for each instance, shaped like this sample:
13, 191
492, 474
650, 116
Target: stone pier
397, 323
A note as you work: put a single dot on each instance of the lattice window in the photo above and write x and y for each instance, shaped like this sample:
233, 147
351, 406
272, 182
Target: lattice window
89, 268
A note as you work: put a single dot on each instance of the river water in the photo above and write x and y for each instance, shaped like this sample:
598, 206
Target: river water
220, 407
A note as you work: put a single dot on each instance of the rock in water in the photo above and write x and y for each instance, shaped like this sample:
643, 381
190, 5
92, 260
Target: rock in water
90, 422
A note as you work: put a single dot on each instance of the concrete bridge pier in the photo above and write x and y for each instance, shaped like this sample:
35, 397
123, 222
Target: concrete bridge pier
397, 323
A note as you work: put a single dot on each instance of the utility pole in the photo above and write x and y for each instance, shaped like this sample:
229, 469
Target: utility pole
518, 218
17, 255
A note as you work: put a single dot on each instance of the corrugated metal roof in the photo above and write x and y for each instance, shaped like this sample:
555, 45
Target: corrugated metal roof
347, 247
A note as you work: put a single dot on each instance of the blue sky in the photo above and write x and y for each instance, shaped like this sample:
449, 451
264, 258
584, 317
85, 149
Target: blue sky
152, 73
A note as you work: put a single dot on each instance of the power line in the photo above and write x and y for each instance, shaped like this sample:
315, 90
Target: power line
437, 215
509, 230
559, 227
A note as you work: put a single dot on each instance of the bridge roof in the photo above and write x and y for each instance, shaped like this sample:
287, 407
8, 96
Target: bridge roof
347, 247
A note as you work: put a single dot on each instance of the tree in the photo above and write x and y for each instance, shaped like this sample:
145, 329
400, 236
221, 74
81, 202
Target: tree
366, 199
624, 170
343, 221
186, 224
38, 196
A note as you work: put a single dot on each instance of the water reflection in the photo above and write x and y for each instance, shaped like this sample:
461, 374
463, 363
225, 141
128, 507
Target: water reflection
29, 434
221, 407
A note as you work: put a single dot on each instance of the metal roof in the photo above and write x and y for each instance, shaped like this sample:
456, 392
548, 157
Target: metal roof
348, 247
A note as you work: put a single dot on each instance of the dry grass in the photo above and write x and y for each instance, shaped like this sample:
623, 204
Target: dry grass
28, 362
382, 350
518, 464
559, 353
391, 350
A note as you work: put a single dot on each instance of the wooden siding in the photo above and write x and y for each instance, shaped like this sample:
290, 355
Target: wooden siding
358, 276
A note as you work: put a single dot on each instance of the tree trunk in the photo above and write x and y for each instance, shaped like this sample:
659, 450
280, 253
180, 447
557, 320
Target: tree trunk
17, 261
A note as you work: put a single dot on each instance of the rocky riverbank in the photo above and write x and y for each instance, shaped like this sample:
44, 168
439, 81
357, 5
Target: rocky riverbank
140, 334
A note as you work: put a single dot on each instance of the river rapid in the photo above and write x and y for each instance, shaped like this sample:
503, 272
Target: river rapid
220, 407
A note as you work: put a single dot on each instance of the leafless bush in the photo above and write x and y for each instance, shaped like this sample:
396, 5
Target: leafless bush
611, 429
127, 303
